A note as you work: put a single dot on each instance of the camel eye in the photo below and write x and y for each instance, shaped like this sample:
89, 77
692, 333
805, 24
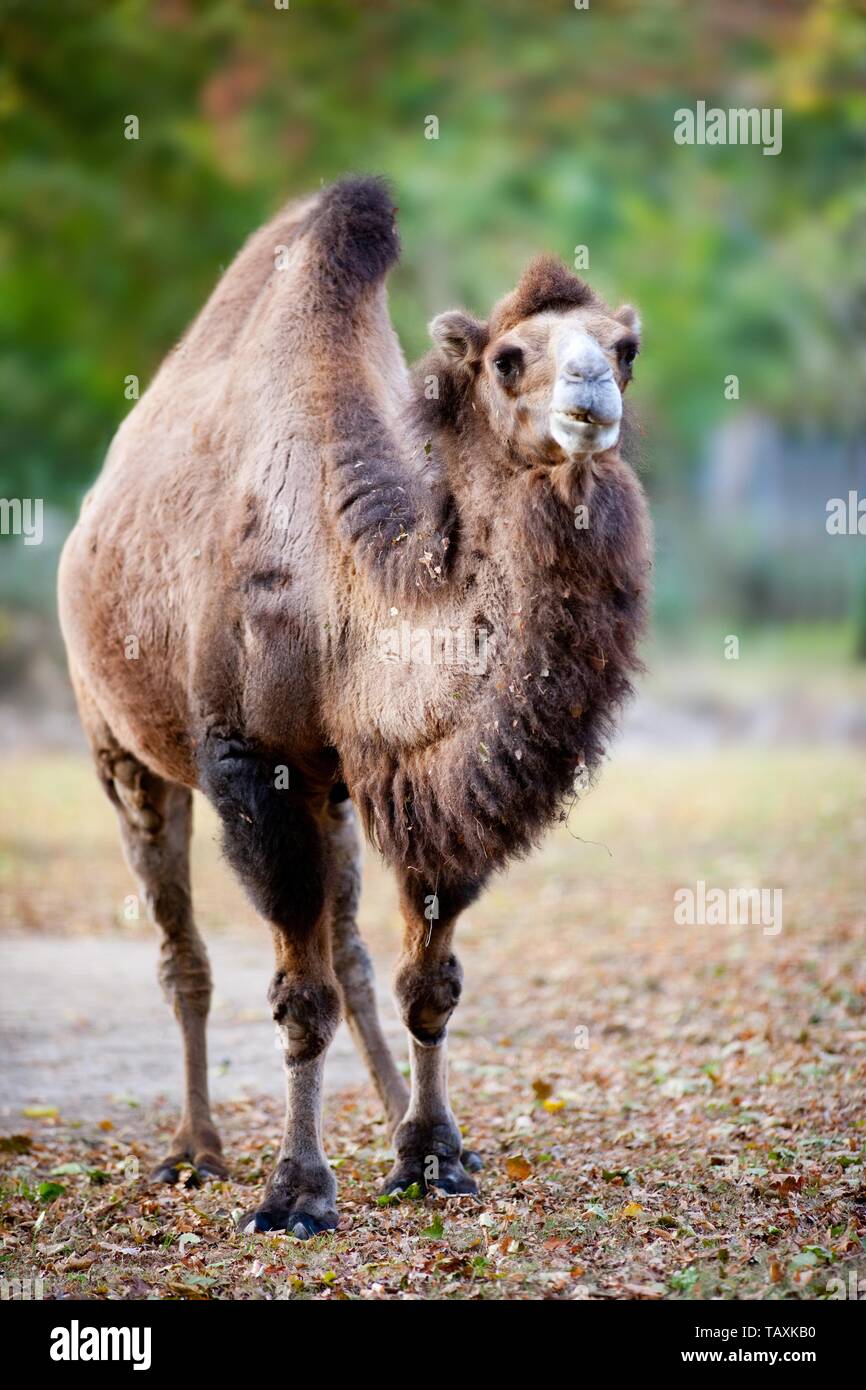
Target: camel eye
627, 350
508, 363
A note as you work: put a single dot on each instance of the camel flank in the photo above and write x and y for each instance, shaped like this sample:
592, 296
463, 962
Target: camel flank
283, 494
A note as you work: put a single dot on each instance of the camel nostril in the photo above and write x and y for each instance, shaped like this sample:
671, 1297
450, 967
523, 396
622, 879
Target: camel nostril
590, 374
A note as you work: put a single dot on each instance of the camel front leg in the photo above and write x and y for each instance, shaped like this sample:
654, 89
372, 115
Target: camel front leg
273, 840
301, 1193
428, 983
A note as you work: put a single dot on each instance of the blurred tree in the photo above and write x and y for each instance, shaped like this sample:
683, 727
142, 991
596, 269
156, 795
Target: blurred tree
555, 130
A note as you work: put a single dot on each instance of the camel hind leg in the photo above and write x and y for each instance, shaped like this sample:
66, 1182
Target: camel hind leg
155, 818
352, 964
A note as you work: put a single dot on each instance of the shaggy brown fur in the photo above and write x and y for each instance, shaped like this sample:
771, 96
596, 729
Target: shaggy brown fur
565, 608
283, 497
547, 285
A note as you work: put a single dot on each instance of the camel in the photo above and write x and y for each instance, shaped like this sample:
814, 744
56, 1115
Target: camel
284, 495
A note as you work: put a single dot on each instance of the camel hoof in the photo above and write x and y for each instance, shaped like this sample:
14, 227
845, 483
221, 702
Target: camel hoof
210, 1167
165, 1172
298, 1223
207, 1167
452, 1179
458, 1184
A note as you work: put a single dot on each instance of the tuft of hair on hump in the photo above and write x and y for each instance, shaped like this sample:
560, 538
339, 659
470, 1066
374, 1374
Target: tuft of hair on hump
353, 225
546, 284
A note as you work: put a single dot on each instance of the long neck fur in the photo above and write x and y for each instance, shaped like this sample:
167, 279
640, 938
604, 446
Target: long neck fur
566, 647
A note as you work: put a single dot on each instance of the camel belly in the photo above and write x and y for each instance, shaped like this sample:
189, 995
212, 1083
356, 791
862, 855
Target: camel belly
124, 651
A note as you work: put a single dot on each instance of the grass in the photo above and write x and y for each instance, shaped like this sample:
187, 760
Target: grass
707, 1141
812, 660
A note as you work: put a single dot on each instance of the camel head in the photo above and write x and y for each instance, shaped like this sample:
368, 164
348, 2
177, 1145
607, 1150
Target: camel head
548, 369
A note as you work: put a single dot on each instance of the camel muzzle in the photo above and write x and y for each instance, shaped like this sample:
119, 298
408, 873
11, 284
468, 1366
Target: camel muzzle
585, 415
587, 406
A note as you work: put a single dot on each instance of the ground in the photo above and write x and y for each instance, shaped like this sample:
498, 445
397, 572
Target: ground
664, 1111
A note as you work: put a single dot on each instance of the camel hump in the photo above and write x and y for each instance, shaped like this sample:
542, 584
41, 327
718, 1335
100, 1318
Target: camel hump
354, 227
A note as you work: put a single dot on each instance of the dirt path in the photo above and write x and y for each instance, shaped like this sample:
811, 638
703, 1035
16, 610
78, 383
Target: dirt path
104, 1039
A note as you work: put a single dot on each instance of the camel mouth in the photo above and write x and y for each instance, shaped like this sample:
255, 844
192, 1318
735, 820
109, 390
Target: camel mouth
583, 420
581, 432
582, 417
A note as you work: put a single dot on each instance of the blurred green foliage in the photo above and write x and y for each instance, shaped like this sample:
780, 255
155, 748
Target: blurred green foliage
555, 130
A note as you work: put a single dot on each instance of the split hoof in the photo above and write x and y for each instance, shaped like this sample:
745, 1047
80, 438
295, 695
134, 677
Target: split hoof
165, 1172
211, 1167
297, 1222
452, 1179
207, 1167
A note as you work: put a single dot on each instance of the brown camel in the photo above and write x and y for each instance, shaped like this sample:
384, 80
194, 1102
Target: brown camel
307, 579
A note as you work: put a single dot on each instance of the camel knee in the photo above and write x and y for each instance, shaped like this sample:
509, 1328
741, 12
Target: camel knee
306, 1014
184, 974
427, 995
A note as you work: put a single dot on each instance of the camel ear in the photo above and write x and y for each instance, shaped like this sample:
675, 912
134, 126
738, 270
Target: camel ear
460, 336
629, 317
